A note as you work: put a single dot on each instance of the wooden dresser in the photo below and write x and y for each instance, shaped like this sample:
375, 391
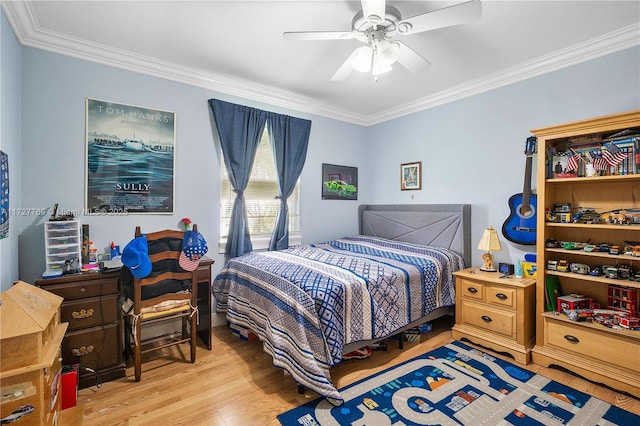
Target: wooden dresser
94, 336
494, 312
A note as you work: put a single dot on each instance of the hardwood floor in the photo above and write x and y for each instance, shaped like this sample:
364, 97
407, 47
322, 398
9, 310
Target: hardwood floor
236, 384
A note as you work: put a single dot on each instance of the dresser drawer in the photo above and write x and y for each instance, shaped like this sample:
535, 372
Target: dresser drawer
79, 290
97, 347
501, 296
487, 318
472, 289
609, 347
90, 312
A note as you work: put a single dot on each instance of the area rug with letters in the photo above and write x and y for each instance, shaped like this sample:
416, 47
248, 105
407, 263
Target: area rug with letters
457, 384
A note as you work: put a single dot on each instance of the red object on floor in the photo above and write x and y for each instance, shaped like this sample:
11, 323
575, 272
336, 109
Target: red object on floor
69, 387
358, 353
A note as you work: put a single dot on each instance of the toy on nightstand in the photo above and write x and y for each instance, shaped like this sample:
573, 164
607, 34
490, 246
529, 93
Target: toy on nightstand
519, 271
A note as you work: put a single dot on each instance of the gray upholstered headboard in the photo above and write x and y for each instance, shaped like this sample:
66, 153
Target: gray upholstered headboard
441, 225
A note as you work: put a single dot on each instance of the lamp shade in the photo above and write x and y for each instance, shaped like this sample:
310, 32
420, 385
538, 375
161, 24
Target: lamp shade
490, 241
362, 59
384, 56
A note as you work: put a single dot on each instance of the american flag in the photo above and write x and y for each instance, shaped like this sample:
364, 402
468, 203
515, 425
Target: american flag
613, 155
599, 163
572, 162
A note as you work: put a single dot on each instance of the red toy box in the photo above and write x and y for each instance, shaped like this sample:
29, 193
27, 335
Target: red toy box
572, 302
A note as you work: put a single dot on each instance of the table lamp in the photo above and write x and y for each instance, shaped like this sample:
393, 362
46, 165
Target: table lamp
489, 243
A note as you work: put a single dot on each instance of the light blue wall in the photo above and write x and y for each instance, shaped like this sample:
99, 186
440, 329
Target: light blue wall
53, 148
472, 150
10, 108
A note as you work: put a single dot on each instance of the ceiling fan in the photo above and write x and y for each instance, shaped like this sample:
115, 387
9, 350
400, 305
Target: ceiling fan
377, 24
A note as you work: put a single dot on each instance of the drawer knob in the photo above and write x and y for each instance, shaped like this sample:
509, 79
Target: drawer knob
83, 290
502, 296
472, 290
486, 318
82, 350
572, 339
84, 313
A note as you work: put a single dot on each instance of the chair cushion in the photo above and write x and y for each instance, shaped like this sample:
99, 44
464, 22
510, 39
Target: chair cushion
162, 307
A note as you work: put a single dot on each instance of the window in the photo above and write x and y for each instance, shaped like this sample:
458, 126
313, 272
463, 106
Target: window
261, 204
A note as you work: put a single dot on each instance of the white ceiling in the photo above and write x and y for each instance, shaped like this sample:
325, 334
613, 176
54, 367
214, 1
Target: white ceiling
236, 47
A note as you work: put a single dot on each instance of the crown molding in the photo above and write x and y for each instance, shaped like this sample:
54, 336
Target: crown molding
28, 33
616, 41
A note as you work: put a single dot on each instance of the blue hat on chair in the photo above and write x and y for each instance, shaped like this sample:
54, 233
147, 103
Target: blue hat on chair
135, 256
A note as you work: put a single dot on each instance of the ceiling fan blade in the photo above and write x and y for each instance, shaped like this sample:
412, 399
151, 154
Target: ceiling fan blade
346, 68
411, 60
441, 18
374, 11
318, 35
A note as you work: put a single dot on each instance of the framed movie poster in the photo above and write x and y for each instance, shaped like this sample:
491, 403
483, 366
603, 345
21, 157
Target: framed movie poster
130, 163
339, 182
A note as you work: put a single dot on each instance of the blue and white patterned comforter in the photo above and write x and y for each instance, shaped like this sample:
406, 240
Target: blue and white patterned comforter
307, 302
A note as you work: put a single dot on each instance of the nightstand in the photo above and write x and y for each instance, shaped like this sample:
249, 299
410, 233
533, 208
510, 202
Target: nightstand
496, 312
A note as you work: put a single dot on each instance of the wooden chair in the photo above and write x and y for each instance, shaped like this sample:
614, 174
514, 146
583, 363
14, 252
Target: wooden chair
166, 295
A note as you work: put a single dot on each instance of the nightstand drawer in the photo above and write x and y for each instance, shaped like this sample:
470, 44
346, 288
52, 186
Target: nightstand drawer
494, 320
502, 296
603, 346
472, 289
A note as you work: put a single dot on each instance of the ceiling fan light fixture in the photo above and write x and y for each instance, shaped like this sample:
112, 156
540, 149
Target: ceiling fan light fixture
362, 59
384, 58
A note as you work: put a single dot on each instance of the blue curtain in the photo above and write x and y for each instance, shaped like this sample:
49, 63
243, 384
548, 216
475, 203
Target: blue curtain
289, 139
240, 129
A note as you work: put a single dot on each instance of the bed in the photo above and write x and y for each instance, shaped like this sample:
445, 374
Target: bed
311, 304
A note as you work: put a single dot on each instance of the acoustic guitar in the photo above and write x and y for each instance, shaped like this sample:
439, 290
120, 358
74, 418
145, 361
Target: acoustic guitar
520, 226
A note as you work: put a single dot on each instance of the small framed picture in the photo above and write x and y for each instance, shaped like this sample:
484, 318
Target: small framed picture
339, 182
411, 176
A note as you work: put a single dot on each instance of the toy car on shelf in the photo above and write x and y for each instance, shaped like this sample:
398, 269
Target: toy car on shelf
587, 216
580, 268
596, 271
616, 217
624, 272
562, 266
551, 243
570, 245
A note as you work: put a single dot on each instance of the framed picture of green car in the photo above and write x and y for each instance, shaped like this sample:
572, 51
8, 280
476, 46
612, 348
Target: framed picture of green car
339, 182
411, 176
